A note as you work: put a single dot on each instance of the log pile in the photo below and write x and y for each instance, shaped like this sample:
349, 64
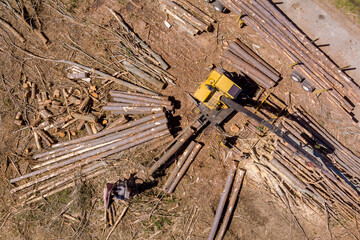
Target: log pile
231, 185
338, 192
181, 166
55, 170
248, 62
189, 17
318, 69
126, 103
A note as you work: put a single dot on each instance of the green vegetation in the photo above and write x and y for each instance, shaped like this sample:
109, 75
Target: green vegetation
350, 6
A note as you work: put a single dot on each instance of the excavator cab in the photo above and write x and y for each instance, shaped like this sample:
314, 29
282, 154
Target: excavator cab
218, 85
214, 87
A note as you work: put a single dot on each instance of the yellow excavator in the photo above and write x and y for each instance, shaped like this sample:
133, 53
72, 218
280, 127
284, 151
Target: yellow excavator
217, 97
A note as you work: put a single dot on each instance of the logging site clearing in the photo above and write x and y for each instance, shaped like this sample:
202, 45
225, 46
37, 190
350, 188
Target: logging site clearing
179, 119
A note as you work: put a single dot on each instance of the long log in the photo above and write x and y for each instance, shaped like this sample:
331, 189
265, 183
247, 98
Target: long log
223, 198
97, 143
179, 143
236, 49
133, 103
165, 98
104, 151
297, 54
325, 61
178, 165
94, 158
133, 109
231, 205
187, 16
145, 99
249, 70
184, 168
301, 49
274, 41
110, 130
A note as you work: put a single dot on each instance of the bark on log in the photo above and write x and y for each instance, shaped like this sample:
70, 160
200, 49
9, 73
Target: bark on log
178, 165
231, 205
184, 168
185, 25
249, 70
257, 57
237, 50
223, 199
179, 143
206, 18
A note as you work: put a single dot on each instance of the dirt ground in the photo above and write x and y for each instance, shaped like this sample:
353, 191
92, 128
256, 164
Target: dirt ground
189, 212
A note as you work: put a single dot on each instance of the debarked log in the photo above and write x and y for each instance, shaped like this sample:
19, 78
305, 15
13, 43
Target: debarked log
130, 109
74, 150
102, 151
107, 131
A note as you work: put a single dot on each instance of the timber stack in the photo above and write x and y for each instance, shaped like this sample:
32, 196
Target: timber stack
190, 18
318, 69
338, 189
126, 103
248, 62
56, 169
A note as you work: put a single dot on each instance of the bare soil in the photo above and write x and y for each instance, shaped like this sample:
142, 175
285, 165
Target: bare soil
188, 213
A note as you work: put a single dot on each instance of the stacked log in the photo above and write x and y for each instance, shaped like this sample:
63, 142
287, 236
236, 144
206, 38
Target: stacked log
318, 69
340, 192
181, 167
190, 18
248, 62
136, 103
56, 169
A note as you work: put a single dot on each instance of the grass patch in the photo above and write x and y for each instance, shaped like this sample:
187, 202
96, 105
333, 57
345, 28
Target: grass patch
349, 6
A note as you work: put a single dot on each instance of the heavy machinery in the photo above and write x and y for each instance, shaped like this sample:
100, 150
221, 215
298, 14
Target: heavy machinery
217, 98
